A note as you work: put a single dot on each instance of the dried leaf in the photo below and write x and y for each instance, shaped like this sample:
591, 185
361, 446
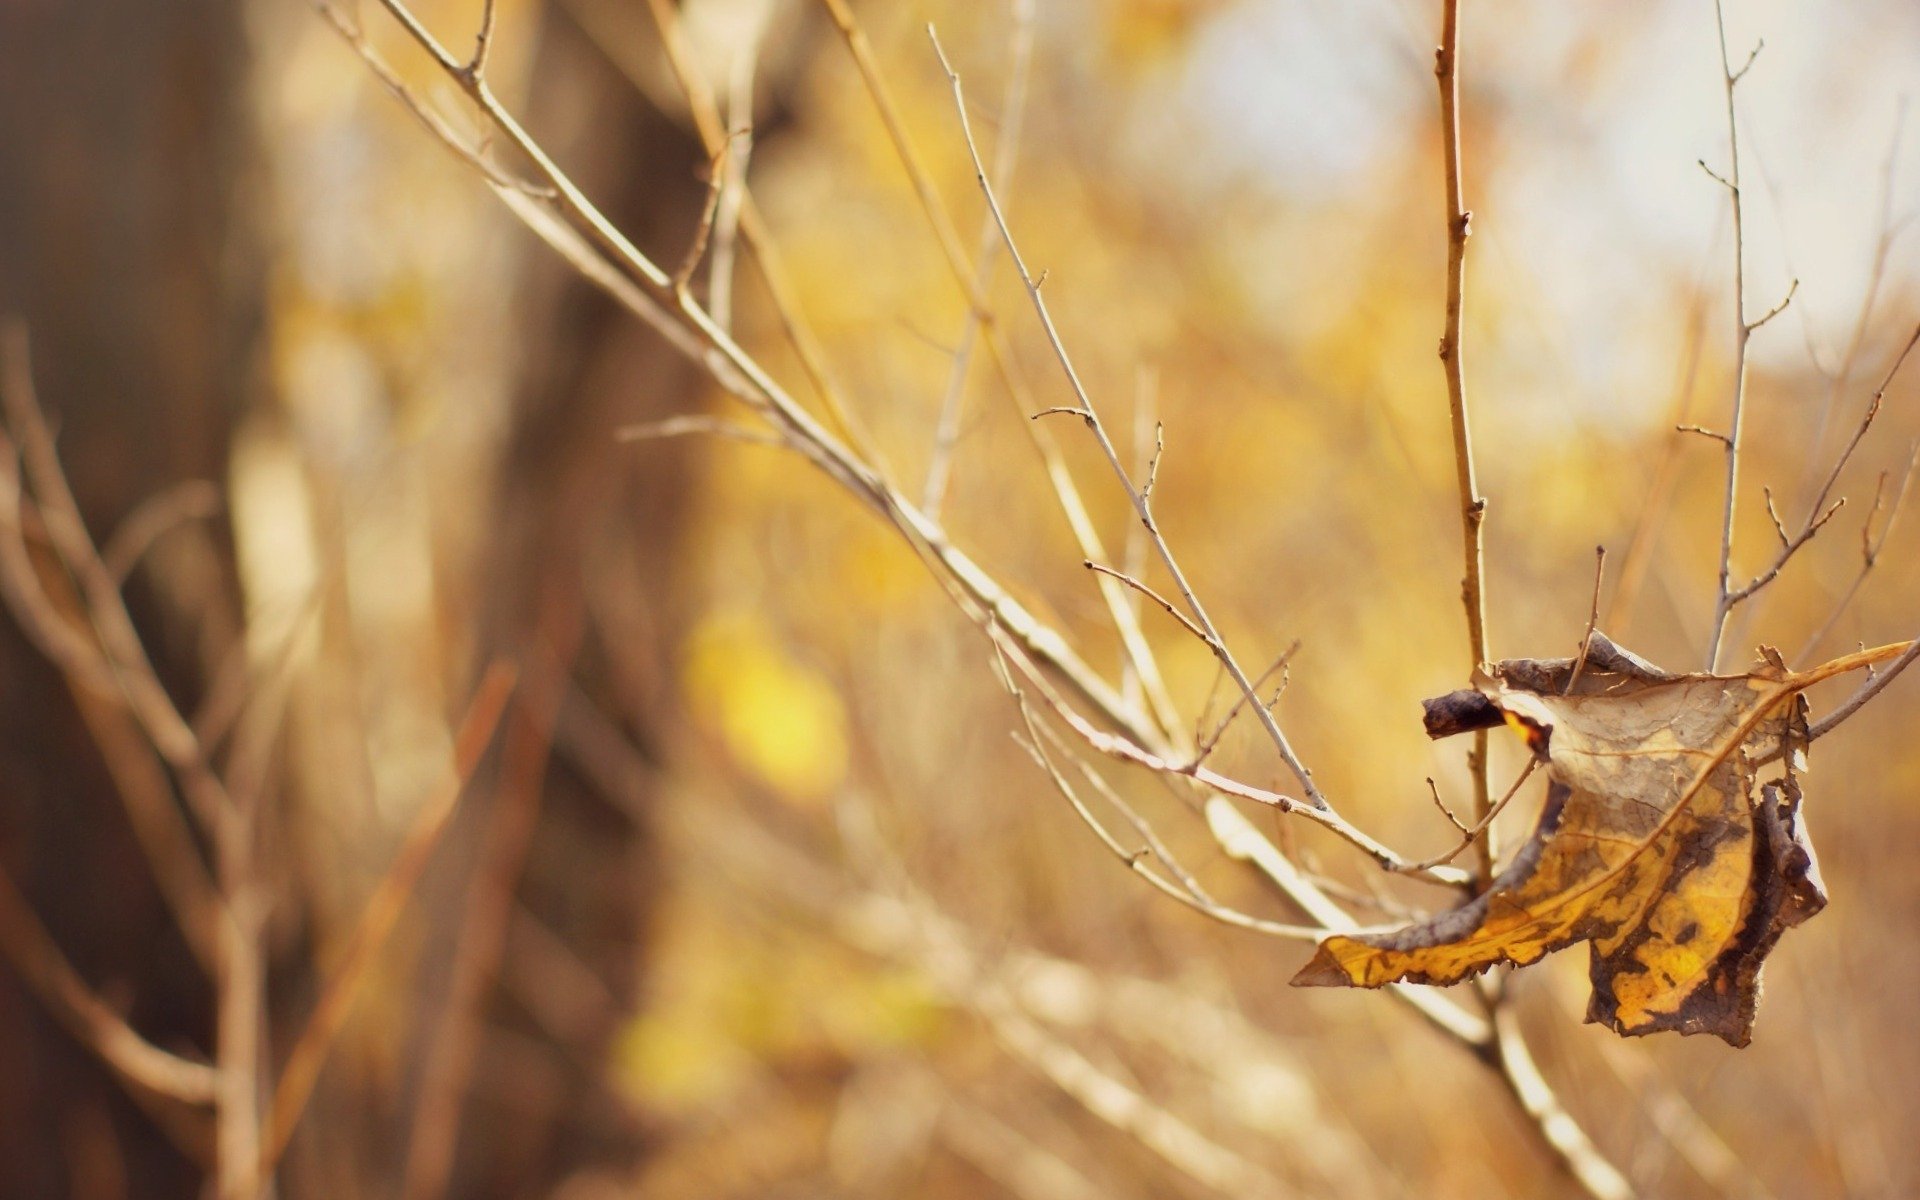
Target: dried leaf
1653, 844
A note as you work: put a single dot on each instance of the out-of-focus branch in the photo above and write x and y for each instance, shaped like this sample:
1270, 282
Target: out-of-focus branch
122, 650
377, 919
38, 959
1006, 154
118, 668
481, 931
1562, 1134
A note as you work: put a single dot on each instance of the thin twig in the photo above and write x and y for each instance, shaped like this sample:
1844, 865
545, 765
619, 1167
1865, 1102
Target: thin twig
679, 427
1469, 834
1126, 750
1204, 746
1186, 622
697, 248
1820, 511
1867, 691
482, 42
1066, 493
714, 135
1209, 633
1473, 506
1006, 155
153, 518
1742, 335
1136, 859
1871, 547
1593, 618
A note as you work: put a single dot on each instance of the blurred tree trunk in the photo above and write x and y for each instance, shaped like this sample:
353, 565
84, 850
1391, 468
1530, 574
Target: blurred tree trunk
588, 592
123, 245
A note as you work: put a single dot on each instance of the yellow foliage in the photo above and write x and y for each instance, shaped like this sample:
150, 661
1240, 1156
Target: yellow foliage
777, 717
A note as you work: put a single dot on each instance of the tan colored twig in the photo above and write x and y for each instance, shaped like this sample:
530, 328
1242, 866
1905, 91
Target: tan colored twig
1124, 749
1469, 834
1183, 888
45, 607
1872, 687
1473, 506
121, 648
1204, 625
1725, 591
120, 662
726, 230
1204, 745
1148, 441
1593, 619
679, 427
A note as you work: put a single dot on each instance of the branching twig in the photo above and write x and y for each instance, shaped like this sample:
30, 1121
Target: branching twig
1871, 546
1208, 632
1742, 334
972, 287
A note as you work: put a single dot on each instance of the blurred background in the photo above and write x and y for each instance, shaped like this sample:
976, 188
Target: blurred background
755, 894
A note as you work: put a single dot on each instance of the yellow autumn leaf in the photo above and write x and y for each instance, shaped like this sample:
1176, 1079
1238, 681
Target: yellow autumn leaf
1653, 845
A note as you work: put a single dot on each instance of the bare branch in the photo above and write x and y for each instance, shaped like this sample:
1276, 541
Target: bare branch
136, 1061
1006, 155
153, 518
1871, 546
377, 919
1743, 333
482, 43
1561, 1132
1094, 424
697, 249
1473, 506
